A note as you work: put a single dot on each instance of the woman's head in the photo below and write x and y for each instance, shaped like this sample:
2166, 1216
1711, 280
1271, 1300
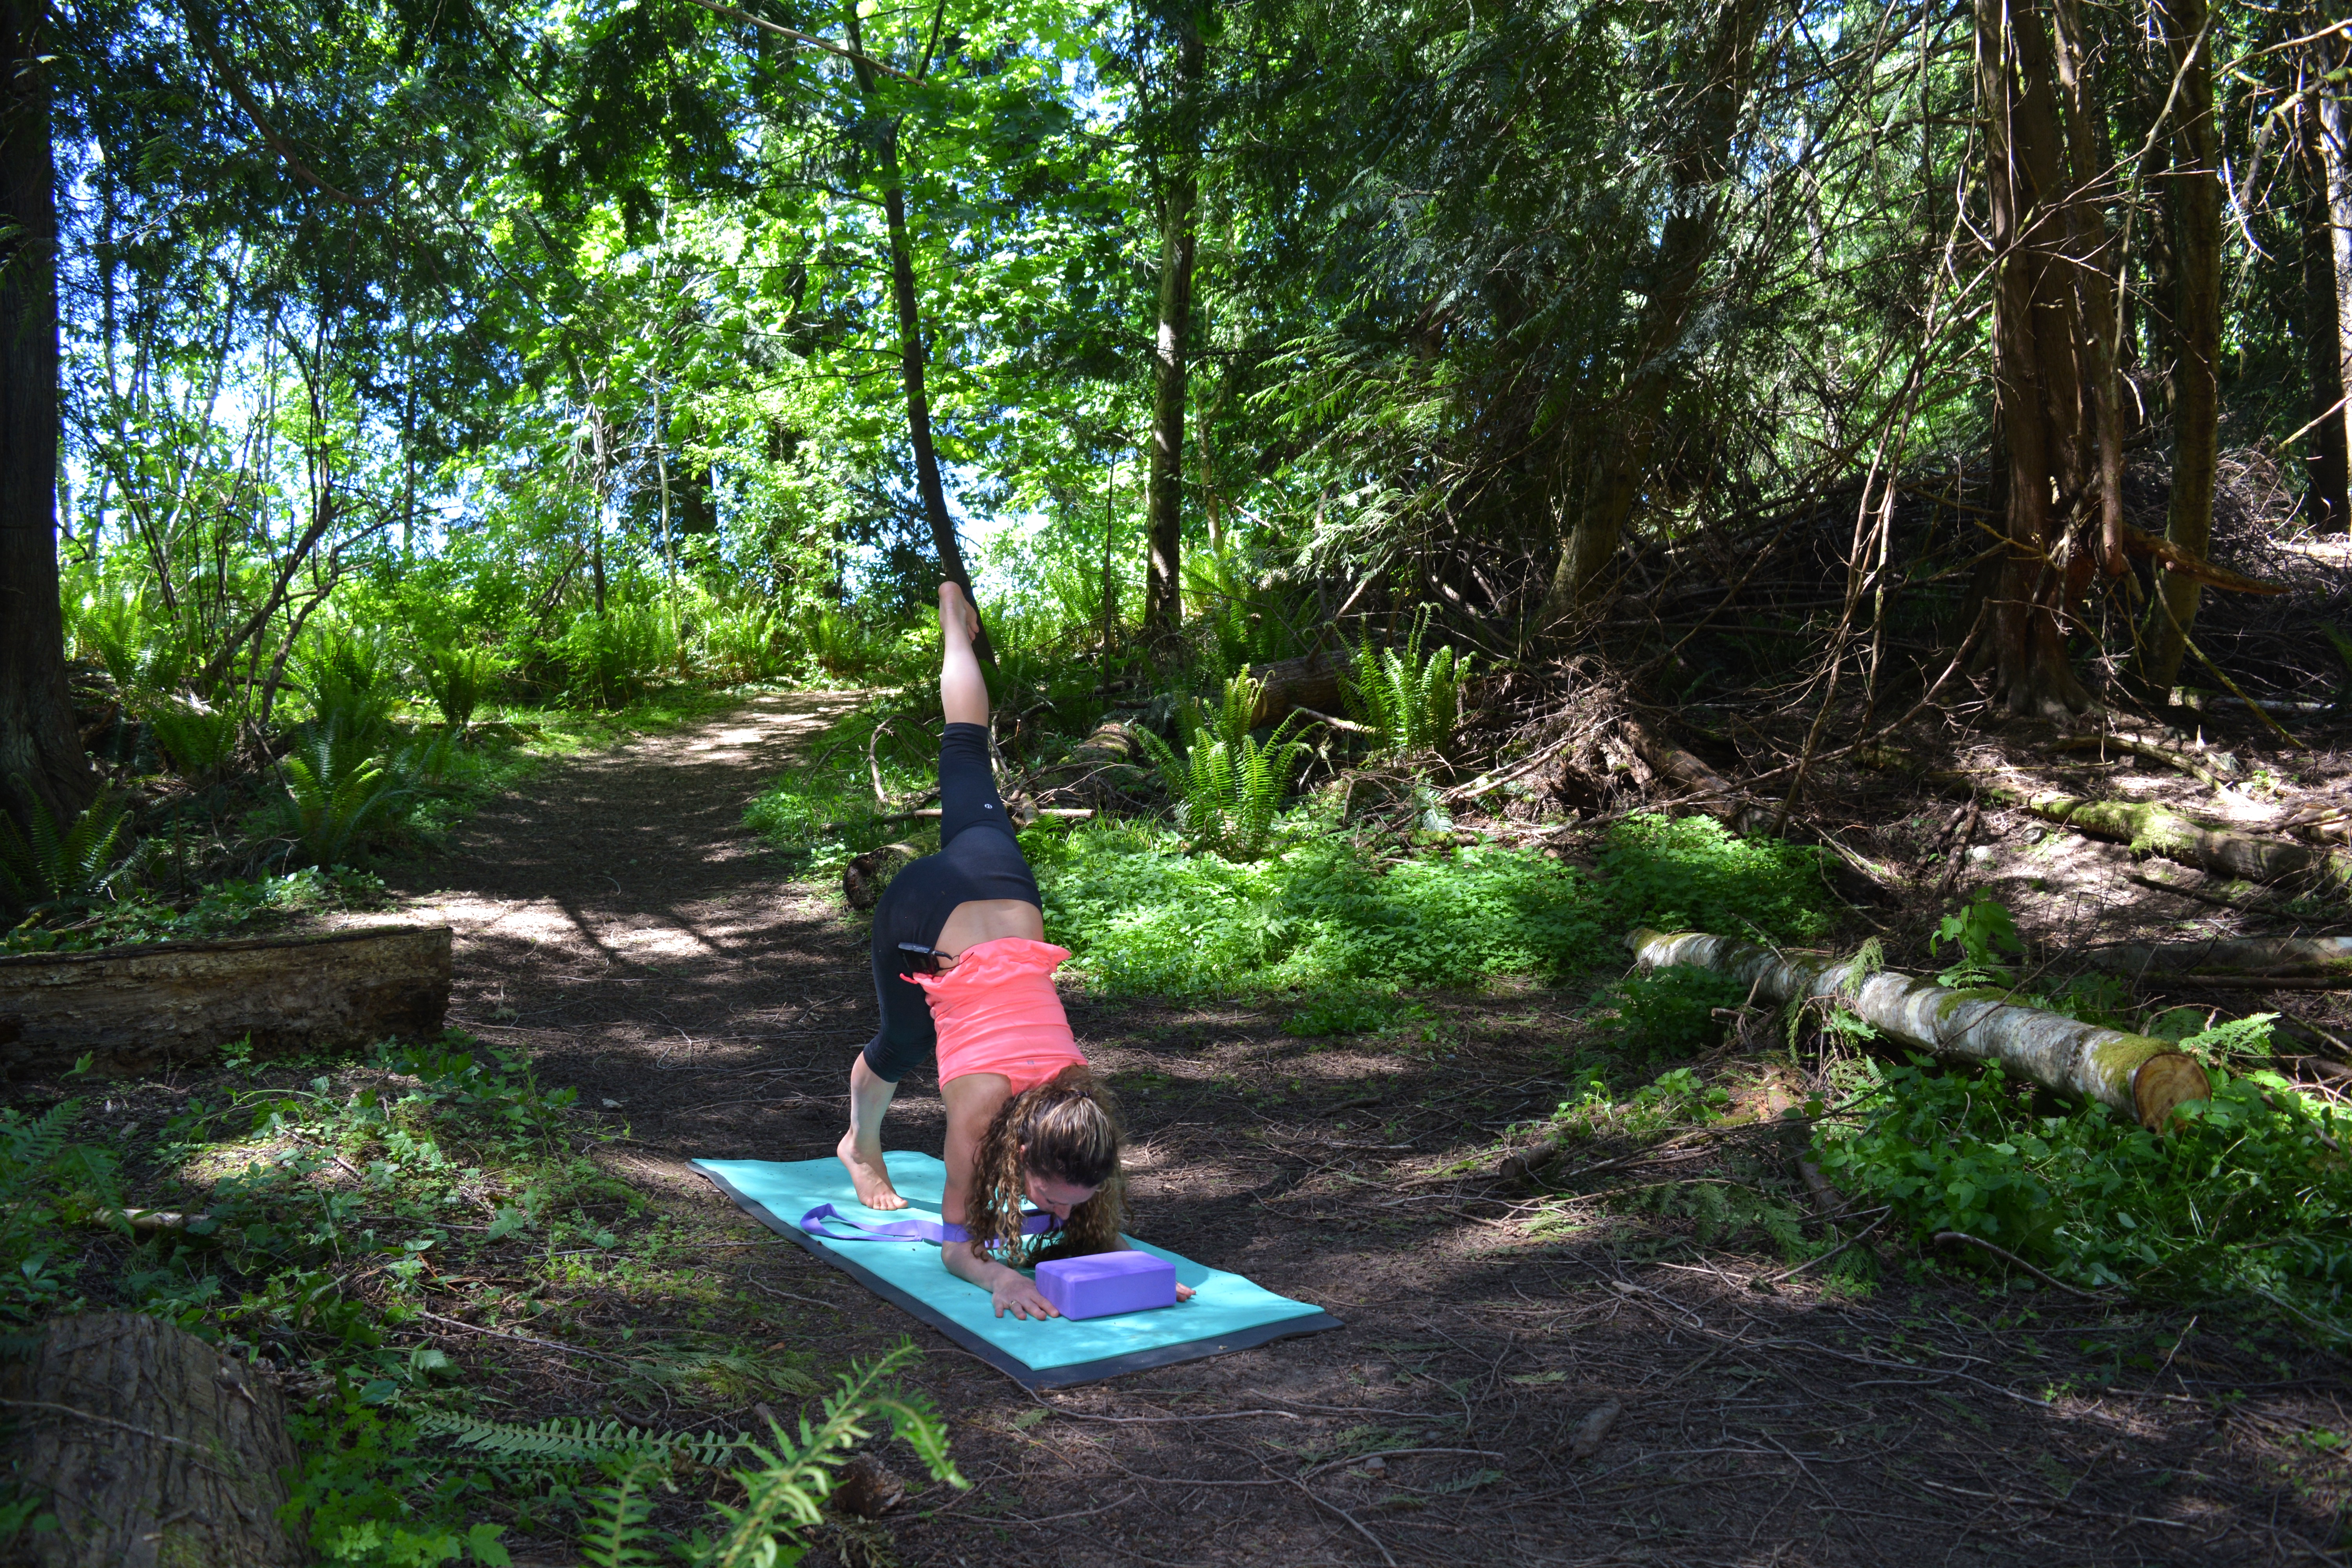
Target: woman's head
1054, 1146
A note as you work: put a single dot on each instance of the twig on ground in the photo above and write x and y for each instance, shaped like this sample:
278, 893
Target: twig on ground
521, 1338
1946, 1237
1765, 1281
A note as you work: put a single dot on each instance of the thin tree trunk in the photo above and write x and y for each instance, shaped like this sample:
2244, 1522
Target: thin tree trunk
2036, 373
41, 757
910, 342
1163, 590
1684, 244
1109, 564
2095, 255
2336, 162
2194, 188
2328, 468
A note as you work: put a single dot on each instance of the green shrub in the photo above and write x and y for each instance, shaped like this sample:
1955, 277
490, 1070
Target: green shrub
739, 645
607, 659
1671, 1011
2249, 1195
1138, 914
458, 679
144, 651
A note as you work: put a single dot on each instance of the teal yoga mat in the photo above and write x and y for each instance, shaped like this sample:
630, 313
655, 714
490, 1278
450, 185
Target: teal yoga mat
1228, 1313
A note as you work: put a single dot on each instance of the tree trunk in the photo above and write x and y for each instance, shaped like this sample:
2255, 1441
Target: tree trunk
2037, 375
2096, 256
884, 141
2194, 187
155, 1449
2144, 1077
1700, 169
2328, 468
1163, 589
131, 1008
2336, 167
41, 757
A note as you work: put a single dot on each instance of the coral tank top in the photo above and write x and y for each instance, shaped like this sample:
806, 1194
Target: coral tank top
997, 1011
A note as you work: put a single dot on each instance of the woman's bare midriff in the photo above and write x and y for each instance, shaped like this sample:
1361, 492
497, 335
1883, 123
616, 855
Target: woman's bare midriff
986, 920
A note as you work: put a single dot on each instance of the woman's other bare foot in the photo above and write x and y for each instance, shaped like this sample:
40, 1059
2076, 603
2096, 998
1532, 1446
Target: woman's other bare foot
868, 1174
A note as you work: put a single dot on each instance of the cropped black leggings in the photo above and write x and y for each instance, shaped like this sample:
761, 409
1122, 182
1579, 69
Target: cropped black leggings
979, 859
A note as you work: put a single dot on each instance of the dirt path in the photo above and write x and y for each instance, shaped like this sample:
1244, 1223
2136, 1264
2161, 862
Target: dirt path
616, 921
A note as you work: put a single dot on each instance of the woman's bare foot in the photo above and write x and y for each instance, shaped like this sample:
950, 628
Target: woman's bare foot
868, 1174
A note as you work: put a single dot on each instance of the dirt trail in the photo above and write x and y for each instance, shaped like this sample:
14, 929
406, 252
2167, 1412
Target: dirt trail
617, 921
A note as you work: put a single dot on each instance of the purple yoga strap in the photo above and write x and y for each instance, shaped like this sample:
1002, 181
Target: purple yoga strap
818, 1221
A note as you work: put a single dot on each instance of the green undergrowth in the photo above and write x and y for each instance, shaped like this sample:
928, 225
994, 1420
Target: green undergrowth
1326, 918
820, 815
2247, 1196
321, 1223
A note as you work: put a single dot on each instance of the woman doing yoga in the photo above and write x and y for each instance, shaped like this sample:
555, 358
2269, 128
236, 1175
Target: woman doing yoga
961, 963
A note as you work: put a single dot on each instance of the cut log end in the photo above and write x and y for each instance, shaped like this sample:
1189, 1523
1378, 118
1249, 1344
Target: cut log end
2163, 1084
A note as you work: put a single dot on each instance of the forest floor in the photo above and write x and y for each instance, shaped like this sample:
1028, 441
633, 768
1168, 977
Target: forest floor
619, 926
616, 922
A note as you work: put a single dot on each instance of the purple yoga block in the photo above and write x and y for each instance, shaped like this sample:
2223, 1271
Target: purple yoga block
1107, 1282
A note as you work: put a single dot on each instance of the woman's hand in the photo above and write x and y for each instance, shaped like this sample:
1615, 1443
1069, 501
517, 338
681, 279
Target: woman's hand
1017, 1294
1184, 1293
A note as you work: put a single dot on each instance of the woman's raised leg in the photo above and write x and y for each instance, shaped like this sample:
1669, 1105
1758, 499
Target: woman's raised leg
963, 694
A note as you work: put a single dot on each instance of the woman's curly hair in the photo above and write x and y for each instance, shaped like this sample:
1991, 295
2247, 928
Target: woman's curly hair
1066, 1129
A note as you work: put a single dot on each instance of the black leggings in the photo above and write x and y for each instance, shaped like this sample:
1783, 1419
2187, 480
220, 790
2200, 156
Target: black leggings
978, 858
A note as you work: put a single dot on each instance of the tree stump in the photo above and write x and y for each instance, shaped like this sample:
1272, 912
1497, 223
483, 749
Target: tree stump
155, 1449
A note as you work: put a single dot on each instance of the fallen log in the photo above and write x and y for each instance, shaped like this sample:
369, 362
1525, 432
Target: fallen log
2270, 957
1313, 681
152, 1448
129, 1007
2146, 826
1713, 792
2138, 1075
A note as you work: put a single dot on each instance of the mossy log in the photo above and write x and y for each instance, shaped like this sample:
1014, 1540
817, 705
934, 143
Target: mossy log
2138, 1075
131, 1007
2158, 829
1311, 682
2148, 827
152, 1448
2264, 956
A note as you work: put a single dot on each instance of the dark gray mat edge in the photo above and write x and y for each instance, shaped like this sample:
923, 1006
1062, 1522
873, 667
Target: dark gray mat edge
1018, 1371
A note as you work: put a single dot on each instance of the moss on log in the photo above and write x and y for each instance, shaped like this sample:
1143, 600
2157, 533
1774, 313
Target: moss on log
129, 1007
2144, 1077
2254, 956
152, 1449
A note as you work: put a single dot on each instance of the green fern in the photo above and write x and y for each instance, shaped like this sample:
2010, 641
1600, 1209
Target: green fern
46, 1180
336, 791
785, 1494
53, 863
199, 741
620, 1531
1410, 702
569, 1440
459, 679
1228, 788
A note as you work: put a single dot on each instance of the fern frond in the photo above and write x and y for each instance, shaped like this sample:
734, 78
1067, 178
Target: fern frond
561, 1439
619, 1535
